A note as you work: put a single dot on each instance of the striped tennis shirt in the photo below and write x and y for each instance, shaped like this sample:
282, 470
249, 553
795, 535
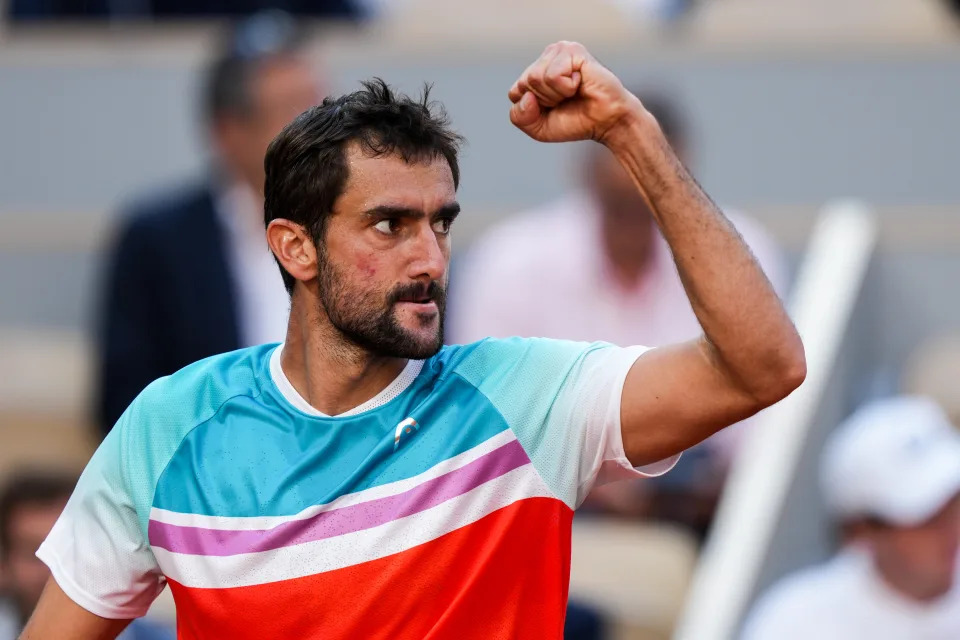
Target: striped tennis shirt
441, 508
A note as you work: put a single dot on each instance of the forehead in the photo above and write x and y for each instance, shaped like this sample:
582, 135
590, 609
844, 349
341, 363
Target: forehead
387, 180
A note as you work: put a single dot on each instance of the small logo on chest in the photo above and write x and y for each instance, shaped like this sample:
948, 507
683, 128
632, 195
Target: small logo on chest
406, 428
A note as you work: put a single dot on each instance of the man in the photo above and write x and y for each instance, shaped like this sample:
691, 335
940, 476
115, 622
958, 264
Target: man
891, 476
593, 266
30, 504
361, 480
191, 275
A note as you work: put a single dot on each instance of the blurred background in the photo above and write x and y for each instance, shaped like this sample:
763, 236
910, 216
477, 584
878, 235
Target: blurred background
828, 127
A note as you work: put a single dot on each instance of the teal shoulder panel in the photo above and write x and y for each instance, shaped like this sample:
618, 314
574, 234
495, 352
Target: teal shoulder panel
157, 421
524, 378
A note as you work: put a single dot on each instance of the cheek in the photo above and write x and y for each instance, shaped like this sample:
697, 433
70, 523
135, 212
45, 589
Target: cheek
367, 266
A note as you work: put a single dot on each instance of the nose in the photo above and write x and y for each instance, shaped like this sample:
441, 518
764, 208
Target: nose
429, 255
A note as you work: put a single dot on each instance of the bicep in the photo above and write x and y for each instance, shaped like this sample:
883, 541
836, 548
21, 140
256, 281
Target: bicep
675, 397
57, 616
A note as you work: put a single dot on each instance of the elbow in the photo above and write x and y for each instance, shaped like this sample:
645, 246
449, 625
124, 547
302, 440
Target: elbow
795, 371
786, 372
782, 370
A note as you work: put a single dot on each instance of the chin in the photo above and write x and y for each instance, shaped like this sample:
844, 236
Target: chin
424, 346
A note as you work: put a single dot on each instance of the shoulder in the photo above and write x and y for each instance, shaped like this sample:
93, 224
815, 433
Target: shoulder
504, 352
494, 362
173, 405
796, 600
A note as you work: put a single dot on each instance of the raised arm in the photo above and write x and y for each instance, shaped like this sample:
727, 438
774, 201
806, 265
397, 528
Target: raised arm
749, 356
57, 616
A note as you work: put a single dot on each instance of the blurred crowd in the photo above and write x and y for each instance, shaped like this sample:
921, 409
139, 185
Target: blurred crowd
189, 275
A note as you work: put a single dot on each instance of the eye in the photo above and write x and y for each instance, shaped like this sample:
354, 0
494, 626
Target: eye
442, 226
387, 226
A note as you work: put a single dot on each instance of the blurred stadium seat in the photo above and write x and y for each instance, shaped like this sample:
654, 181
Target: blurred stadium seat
42, 405
613, 567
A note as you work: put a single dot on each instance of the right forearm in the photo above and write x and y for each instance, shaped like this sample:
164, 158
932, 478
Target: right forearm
748, 333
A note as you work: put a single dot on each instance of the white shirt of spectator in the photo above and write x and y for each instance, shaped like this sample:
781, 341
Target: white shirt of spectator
846, 599
262, 301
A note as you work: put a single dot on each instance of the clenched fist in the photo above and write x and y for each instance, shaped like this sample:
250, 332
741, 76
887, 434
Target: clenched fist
568, 95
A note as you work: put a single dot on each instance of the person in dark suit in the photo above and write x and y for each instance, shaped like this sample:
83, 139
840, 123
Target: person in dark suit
190, 274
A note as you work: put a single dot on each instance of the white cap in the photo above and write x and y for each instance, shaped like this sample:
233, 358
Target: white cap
896, 459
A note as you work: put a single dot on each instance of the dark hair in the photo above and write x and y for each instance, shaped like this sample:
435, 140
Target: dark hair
306, 169
30, 488
245, 47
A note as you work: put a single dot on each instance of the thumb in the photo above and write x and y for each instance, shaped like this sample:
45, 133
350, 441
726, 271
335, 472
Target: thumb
525, 111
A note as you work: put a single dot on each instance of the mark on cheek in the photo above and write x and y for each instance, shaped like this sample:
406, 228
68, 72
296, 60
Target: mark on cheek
366, 267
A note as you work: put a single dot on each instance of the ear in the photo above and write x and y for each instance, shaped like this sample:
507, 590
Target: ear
293, 247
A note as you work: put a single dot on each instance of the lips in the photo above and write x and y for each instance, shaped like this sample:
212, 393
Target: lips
420, 296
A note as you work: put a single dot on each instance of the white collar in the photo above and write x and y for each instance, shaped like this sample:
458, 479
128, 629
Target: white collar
391, 391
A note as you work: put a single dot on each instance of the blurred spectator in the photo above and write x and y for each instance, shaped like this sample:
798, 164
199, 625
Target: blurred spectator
891, 476
30, 504
932, 371
191, 274
582, 622
593, 266
114, 9
954, 6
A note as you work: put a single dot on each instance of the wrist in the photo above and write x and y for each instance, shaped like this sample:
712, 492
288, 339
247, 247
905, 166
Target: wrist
635, 127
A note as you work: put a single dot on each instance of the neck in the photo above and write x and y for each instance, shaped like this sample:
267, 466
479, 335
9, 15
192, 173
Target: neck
327, 370
903, 585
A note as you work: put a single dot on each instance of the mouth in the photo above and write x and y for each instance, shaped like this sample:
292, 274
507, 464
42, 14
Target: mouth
422, 300
420, 305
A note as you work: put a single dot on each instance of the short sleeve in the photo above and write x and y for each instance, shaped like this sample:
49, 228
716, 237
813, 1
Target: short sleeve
562, 400
591, 397
97, 551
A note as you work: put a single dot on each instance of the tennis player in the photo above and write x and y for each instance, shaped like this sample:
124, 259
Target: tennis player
361, 480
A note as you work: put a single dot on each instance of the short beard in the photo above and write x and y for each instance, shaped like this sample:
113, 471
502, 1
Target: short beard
368, 321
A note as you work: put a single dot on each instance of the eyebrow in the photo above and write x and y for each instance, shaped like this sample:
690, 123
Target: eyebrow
450, 210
